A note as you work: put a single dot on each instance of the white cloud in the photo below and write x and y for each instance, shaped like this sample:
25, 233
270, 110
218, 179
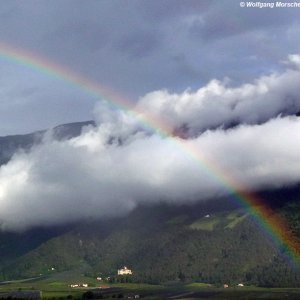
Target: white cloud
86, 177
111, 168
293, 61
217, 104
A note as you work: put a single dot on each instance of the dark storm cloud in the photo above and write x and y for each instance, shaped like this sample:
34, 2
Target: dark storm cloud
138, 44
228, 18
162, 11
103, 39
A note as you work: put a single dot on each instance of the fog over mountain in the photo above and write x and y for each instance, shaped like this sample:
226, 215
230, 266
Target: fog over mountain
112, 167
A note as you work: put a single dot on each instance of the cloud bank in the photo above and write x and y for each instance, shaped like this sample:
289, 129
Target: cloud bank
111, 168
217, 104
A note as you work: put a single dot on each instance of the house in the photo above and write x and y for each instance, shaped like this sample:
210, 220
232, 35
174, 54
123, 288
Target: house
124, 271
226, 286
78, 285
240, 284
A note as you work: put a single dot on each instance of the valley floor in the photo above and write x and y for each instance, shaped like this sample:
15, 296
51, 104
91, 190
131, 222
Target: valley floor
52, 289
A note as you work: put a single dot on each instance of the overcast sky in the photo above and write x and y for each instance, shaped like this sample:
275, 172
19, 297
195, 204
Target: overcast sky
224, 80
134, 48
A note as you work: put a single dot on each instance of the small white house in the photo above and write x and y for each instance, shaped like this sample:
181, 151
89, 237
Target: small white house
240, 284
124, 271
79, 285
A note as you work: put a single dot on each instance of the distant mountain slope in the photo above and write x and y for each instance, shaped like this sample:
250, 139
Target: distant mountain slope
12, 143
162, 243
13, 245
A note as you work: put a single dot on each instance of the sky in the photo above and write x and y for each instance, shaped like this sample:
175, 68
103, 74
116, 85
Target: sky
133, 47
214, 88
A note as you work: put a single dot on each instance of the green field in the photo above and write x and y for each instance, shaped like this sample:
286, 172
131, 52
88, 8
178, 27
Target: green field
223, 220
206, 223
57, 287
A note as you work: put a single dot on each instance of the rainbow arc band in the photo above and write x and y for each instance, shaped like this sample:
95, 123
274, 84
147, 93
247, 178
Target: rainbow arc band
274, 225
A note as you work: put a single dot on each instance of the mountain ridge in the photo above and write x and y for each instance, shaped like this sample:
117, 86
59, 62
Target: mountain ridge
9, 144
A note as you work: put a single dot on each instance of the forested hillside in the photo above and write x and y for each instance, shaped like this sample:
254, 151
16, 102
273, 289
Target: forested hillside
204, 242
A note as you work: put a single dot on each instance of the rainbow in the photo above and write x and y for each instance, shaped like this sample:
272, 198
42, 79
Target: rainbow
271, 222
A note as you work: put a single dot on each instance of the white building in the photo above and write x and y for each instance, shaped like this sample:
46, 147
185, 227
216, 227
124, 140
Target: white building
79, 285
124, 271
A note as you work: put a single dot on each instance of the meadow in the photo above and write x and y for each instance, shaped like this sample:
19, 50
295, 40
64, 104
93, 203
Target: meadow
58, 287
